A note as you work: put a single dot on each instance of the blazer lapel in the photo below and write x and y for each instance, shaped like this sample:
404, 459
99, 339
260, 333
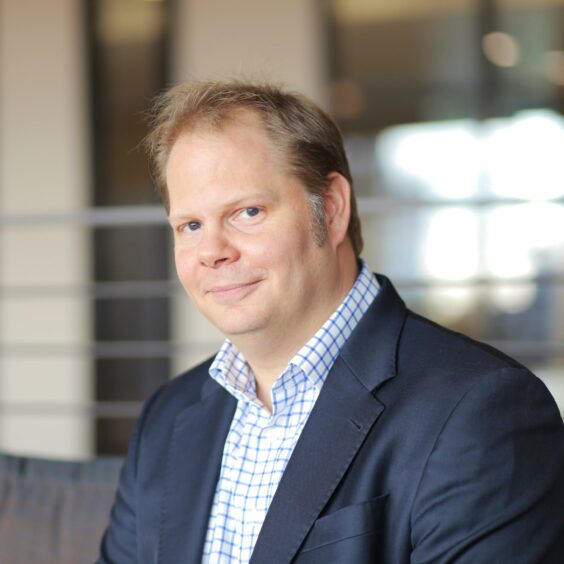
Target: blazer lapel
343, 415
336, 429
192, 471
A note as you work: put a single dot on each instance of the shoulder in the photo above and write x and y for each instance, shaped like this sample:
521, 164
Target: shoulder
408, 358
186, 385
435, 355
489, 436
495, 441
442, 372
441, 345
448, 384
176, 395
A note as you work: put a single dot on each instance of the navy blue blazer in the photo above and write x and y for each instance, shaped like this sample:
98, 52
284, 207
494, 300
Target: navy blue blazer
424, 446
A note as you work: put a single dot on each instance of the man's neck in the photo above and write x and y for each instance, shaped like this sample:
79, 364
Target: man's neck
268, 359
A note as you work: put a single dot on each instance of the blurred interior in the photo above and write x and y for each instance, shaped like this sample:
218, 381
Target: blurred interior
452, 111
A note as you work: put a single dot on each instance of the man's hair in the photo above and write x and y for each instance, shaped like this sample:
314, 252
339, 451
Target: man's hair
309, 140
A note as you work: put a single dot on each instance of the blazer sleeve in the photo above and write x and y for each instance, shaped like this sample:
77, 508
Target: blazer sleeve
119, 544
120, 541
493, 486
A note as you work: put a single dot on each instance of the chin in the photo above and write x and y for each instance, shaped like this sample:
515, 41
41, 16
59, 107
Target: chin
238, 327
237, 330
238, 321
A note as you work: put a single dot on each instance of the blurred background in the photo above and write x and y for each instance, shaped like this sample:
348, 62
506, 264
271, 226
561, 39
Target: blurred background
452, 114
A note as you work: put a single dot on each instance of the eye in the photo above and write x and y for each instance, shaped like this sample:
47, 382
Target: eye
250, 212
191, 226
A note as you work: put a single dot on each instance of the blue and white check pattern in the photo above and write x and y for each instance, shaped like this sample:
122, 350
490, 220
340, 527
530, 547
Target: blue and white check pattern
259, 444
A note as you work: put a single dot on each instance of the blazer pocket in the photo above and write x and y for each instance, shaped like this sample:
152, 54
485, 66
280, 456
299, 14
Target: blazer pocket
350, 521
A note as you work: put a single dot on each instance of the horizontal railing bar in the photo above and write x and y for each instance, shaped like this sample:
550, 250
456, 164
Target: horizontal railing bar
101, 409
94, 409
381, 205
529, 348
104, 350
99, 290
135, 289
117, 349
166, 349
481, 282
116, 216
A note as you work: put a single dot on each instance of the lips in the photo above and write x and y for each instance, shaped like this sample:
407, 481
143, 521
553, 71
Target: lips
229, 287
233, 291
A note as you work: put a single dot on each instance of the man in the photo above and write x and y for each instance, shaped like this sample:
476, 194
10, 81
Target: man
334, 425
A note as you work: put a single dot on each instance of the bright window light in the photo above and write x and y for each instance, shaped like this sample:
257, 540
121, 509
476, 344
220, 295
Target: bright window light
517, 157
524, 156
450, 249
521, 158
444, 157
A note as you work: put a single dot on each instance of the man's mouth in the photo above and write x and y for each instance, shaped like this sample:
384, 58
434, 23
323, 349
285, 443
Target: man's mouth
226, 292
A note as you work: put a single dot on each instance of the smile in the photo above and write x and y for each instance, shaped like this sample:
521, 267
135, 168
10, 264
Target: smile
232, 292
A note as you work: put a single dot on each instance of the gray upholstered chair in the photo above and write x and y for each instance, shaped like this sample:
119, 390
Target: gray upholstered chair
54, 512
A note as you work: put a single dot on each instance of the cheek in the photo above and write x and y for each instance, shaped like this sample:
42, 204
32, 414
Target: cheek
185, 270
285, 250
286, 243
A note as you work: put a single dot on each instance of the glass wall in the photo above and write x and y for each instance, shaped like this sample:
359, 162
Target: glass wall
128, 54
452, 115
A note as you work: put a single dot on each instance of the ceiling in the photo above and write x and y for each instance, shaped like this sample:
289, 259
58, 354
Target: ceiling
366, 11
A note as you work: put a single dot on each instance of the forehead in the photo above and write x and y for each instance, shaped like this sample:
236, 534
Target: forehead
211, 168
240, 143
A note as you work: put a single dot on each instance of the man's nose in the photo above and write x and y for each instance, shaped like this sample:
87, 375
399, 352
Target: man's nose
215, 248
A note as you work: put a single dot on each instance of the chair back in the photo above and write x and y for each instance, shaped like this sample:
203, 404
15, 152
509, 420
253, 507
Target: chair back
52, 511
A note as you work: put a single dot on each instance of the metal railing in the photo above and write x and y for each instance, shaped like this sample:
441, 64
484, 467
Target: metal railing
135, 289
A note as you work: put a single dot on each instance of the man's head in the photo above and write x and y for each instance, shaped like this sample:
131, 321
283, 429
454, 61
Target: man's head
261, 237
307, 139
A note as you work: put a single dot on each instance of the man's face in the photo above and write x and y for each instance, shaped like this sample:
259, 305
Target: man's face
244, 247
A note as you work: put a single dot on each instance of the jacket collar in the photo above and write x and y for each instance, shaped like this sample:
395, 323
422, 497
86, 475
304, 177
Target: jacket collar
371, 351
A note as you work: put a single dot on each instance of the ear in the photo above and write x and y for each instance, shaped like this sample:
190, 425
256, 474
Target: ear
337, 208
